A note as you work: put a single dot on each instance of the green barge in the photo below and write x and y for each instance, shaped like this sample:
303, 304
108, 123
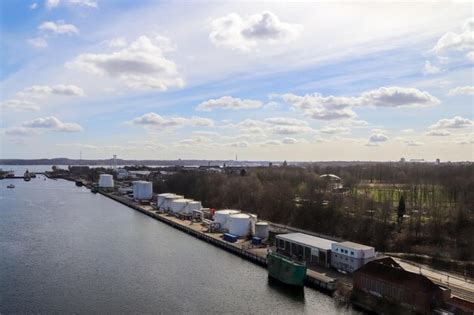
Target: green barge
285, 270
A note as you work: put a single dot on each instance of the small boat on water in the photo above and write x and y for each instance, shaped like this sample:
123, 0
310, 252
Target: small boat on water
11, 186
27, 176
286, 270
79, 183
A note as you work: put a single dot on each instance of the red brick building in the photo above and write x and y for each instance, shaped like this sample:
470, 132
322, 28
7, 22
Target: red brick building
385, 280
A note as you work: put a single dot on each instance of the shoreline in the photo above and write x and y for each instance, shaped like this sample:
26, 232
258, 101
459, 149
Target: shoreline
313, 279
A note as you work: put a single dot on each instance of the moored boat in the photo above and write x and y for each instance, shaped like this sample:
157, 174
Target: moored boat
11, 186
79, 183
285, 270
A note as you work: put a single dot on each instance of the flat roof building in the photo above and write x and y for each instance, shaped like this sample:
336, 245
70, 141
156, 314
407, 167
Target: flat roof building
349, 256
306, 248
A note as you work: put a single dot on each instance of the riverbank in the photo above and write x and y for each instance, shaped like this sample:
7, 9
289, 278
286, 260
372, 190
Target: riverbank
240, 248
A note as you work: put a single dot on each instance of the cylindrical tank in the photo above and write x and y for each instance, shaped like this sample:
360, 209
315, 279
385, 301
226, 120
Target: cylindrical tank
261, 229
191, 206
239, 224
142, 190
106, 181
178, 205
222, 217
253, 221
161, 199
167, 202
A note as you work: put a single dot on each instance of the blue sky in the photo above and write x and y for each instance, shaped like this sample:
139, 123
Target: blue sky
264, 80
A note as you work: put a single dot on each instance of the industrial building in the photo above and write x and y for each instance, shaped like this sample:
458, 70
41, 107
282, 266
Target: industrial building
106, 181
306, 248
349, 256
385, 281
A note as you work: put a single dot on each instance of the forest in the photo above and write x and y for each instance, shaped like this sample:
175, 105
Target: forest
437, 218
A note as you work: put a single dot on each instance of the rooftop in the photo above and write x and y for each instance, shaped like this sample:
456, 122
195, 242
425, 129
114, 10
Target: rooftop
307, 240
355, 245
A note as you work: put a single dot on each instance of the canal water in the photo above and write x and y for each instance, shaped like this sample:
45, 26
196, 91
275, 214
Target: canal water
66, 250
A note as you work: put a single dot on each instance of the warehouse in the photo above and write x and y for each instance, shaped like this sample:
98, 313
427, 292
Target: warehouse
384, 280
305, 248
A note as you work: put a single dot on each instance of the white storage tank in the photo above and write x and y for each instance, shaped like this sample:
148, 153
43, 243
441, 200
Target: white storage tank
161, 199
191, 206
253, 221
178, 205
142, 190
106, 181
239, 224
167, 201
222, 217
261, 230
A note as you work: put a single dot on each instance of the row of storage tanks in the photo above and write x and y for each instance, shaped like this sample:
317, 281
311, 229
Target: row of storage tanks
241, 224
177, 204
233, 221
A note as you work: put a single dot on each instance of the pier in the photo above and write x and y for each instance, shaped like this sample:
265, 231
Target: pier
255, 255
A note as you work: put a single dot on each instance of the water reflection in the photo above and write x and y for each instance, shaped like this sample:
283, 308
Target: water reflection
293, 292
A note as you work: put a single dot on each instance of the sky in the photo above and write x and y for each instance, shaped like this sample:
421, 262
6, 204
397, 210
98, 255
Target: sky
296, 81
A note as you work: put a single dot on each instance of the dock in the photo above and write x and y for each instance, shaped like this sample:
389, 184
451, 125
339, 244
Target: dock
255, 255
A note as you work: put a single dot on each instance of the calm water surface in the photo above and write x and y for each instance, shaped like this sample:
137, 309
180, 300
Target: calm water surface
66, 250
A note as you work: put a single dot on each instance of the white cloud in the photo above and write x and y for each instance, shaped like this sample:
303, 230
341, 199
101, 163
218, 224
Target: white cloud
51, 3
289, 130
457, 41
453, 123
397, 97
37, 42
289, 140
59, 27
377, 137
154, 120
247, 33
44, 90
285, 121
339, 107
20, 132
240, 144
470, 56
19, 104
228, 102
438, 133
141, 65
52, 123
382, 97
33, 6
328, 114
413, 143
466, 90
334, 130
430, 68
84, 3
118, 42
272, 142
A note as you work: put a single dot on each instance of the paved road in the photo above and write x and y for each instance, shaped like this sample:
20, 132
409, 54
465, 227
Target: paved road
463, 288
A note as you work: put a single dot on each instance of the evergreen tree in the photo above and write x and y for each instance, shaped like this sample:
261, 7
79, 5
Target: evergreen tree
401, 209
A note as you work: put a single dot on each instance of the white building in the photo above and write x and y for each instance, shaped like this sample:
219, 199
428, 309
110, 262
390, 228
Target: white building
306, 248
349, 256
122, 173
